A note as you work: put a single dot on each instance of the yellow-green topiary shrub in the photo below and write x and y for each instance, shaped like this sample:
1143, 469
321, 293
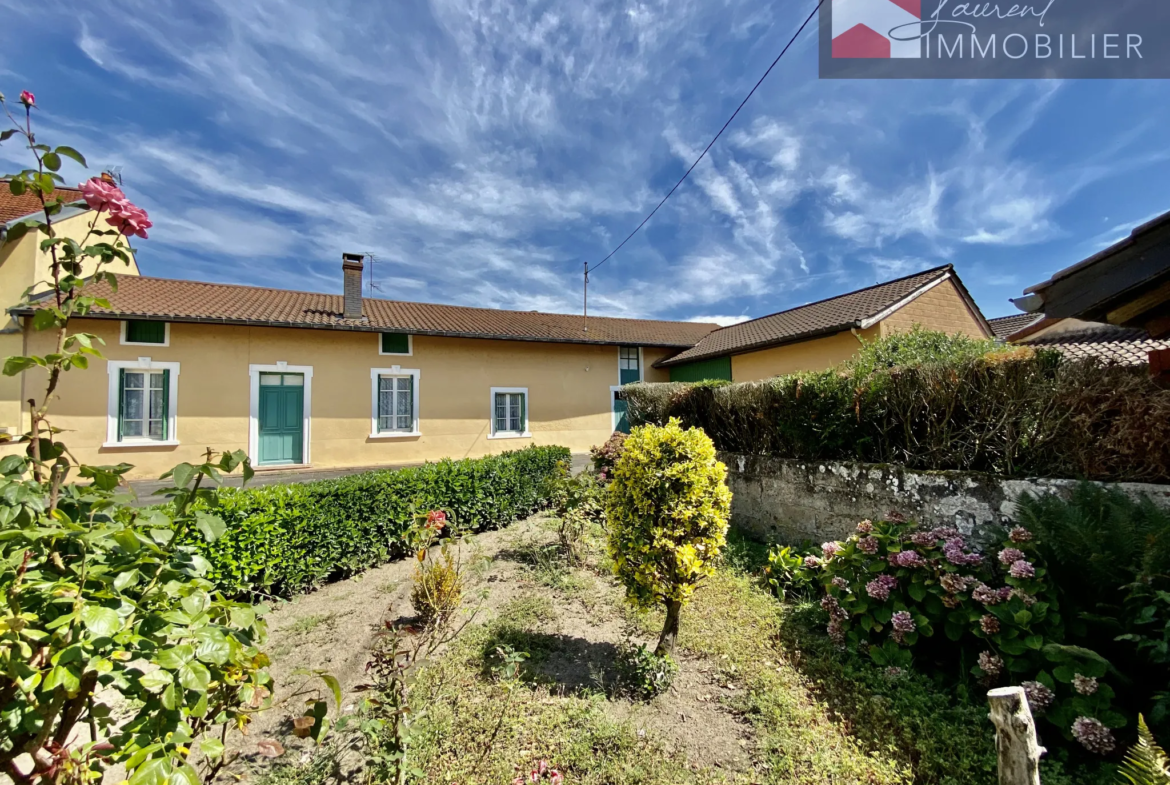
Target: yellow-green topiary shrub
667, 509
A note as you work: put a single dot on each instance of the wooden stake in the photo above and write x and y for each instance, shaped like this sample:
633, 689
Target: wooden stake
1015, 737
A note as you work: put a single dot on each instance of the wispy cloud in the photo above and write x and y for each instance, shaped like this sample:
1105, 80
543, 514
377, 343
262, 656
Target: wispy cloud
484, 149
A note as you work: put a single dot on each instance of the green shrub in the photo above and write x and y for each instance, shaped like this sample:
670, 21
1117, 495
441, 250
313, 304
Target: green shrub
787, 575
667, 509
284, 539
893, 591
931, 401
579, 502
642, 674
1109, 556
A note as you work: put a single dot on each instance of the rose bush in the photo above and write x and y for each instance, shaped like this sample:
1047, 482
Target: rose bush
105, 606
894, 592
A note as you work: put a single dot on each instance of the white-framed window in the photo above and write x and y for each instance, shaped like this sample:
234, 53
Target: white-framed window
629, 364
509, 413
394, 402
396, 344
143, 401
144, 332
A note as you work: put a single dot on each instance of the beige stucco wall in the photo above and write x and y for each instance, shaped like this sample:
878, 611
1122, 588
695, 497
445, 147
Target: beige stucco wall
24, 264
651, 356
815, 355
568, 387
941, 308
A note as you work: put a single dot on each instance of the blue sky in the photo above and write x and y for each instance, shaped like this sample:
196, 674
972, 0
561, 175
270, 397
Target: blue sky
483, 149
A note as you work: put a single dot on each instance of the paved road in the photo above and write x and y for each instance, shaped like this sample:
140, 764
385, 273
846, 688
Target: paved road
146, 488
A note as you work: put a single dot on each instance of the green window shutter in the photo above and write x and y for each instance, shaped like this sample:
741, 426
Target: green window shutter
395, 343
121, 399
523, 412
139, 331
166, 404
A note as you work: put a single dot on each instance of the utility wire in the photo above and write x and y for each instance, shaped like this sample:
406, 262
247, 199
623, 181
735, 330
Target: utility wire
712, 142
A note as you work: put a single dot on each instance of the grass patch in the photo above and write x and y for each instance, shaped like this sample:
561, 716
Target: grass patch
306, 624
477, 729
548, 566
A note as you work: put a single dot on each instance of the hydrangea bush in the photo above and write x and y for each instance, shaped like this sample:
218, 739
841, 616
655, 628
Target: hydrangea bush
895, 591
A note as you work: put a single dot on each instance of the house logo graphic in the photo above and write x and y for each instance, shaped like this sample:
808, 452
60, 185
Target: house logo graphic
873, 29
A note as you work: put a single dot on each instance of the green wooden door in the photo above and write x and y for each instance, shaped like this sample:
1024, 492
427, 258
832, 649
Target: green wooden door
621, 421
281, 418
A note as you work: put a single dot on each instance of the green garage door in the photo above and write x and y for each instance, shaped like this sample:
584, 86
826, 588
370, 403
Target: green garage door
281, 420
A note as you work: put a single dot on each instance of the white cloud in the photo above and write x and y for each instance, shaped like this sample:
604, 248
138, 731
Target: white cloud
722, 321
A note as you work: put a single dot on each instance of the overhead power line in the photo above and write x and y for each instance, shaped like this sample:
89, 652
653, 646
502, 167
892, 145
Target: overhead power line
712, 142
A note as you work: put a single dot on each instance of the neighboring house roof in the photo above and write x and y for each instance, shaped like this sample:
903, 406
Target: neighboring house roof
1123, 345
860, 309
13, 207
172, 300
1004, 326
1126, 284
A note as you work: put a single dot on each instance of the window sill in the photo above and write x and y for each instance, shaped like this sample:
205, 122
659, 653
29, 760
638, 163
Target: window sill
525, 435
396, 435
141, 443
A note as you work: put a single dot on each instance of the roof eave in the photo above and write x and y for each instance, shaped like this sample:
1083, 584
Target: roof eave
756, 347
366, 328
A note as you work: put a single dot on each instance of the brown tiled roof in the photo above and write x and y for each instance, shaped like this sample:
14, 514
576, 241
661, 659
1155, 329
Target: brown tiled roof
12, 207
808, 321
1122, 345
1004, 326
194, 301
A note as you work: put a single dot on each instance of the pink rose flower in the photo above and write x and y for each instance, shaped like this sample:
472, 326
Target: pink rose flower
100, 194
27, 98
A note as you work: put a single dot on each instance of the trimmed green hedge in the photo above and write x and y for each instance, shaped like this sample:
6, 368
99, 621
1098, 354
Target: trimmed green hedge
284, 539
936, 402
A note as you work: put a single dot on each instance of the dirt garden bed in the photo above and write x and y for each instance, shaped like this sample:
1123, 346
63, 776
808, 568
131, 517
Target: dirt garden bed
740, 710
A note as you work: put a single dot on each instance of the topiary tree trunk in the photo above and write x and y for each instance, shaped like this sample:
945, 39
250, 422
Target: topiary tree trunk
669, 634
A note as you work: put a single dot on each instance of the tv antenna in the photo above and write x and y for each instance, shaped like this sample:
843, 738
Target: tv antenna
115, 172
373, 284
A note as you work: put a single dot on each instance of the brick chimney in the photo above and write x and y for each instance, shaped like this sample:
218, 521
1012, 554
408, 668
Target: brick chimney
351, 268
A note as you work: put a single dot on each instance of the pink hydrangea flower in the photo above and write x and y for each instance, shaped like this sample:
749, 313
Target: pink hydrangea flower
1020, 534
989, 624
865, 527
830, 549
1093, 735
879, 588
989, 663
812, 562
1022, 568
903, 623
1009, 555
922, 539
868, 545
911, 559
27, 98
1085, 685
1039, 696
841, 583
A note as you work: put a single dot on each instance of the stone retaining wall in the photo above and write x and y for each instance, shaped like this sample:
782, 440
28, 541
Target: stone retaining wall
788, 501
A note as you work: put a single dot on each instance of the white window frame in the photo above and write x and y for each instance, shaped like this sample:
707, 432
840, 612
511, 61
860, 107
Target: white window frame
166, 334
254, 372
492, 434
377, 373
114, 369
409, 347
641, 365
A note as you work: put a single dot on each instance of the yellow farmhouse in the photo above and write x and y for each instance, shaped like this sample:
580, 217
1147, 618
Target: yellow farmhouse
23, 265
309, 380
305, 379
819, 335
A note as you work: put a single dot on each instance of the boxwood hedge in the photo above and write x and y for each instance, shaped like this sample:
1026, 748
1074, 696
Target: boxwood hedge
284, 539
